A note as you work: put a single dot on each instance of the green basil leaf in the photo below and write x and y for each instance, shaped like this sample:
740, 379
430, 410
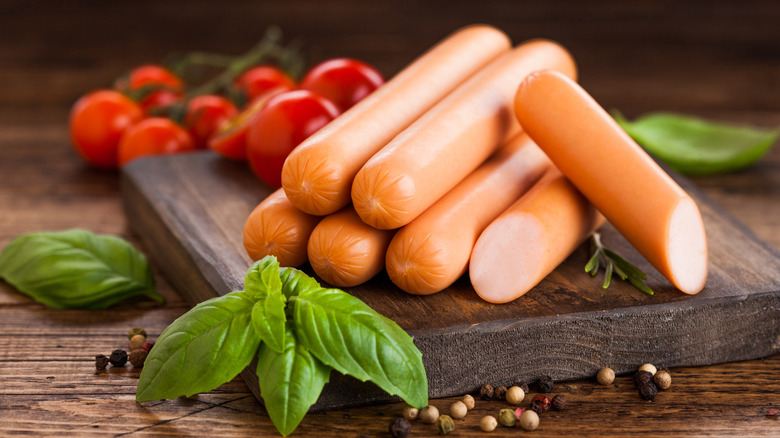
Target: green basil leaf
698, 147
290, 382
77, 269
202, 349
263, 285
295, 282
346, 334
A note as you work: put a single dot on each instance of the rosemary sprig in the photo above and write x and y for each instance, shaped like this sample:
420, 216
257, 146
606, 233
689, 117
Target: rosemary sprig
614, 263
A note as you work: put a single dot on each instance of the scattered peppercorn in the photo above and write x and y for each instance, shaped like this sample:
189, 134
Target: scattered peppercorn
558, 402
499, 393
648, 391
519, 412
138, 357
488, 423
137, 341
642, 377
546, 384
410, 412
663, 380
529, 420
606, 376
429, 414
101, 361
458, 410
506, 418
468, 400
118, 358
148, 346
486, 392
445, 425
540, 404
136, 331
524, 387
650, 368
515, 395
400, 427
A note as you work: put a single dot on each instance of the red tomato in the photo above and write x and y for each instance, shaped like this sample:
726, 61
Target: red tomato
204, 115
343, 81
149, 75
153, 136
283, 124
259, 80
97, 122
229, 140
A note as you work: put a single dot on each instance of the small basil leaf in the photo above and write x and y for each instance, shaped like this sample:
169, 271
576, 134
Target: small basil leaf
290, 382
263, 285
77, 269
346, 334
295, 282
262, 278
698, 147
202, 349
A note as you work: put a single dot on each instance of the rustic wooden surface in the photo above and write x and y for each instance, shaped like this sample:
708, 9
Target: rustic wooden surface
716, 59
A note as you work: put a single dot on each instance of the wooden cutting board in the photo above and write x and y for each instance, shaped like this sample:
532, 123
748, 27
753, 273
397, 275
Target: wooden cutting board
189, 211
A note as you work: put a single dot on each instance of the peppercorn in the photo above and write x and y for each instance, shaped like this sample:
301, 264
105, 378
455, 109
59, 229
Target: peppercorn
468, 400
648, 391
410, 412
429, 414
486, 392
148, 346
137, 341
101, 361
458, 410
138, 357
540, 404
506, 418
400, 427
558, 402
642, 377
136, 331
663, 380
524, 387
445, 425
118, 358
650, 368
515, 395
499, 393
488, 423
529, 420
546, 384
606, 376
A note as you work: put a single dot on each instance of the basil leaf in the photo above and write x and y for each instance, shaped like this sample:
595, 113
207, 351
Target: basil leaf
295, 282
698, 147
77, 269
202, 349
290, 382
263, 285
346, 334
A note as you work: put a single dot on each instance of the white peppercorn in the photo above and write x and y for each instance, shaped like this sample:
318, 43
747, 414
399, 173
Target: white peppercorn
515, 395
458, 410
429, 414
488, 423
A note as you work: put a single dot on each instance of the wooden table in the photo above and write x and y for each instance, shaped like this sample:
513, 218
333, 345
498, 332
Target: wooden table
720, 60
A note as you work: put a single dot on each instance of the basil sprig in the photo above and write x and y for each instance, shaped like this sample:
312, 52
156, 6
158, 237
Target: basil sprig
77, 269
299, 332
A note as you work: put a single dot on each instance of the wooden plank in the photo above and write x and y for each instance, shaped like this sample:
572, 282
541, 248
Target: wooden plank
189, 210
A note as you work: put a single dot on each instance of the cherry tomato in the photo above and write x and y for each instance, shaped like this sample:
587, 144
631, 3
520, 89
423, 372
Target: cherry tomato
229, 140
204, 115
97, 122
343, 81
259, 80
153, 136
283, 124
152, 75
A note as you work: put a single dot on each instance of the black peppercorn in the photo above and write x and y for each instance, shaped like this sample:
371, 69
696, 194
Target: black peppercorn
558, 402
546, 384
642, 377
400, 427
101, 361
118, 358
540, 404
524, 387
648, 391
499, 393
486, 392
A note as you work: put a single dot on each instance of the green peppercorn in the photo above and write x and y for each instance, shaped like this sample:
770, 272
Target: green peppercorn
507, 418
101, 361
135, 331
444, 424
118, 358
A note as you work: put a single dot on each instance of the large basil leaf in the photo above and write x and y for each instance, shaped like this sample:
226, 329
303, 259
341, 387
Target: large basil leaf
698, 147
290, 382
346, 334
295, 282
77, 269
202, 349
263, 285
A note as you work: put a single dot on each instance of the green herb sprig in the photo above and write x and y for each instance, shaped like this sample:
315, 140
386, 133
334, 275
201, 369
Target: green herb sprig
299, 332
613, 263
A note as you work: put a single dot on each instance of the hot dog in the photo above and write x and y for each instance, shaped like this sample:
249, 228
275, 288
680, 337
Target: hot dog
433, 251
318, 174
275, 227
533, 236
644, 203
452, 139
346, 252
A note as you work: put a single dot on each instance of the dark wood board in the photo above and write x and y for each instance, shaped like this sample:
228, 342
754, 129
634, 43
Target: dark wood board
189, 211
